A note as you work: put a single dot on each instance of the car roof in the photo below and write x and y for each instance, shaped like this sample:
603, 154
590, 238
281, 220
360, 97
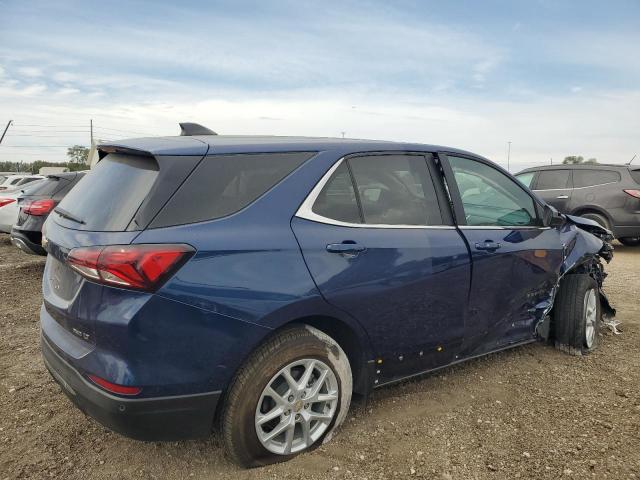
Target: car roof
590, 166
220, 144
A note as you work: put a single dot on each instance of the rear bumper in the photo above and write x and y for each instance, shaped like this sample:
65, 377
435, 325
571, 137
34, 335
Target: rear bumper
24, 243
153, 419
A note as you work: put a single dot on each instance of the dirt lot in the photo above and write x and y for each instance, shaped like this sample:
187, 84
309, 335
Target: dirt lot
532, 412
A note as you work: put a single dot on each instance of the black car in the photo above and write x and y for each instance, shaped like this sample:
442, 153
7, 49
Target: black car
608, 194
26, 234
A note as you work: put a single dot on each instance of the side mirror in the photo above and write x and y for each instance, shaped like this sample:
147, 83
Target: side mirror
551, 217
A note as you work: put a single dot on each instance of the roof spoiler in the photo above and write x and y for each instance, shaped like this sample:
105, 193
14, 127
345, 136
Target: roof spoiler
190, 129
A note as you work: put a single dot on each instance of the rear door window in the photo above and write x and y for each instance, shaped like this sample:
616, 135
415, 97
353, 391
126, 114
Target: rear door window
591, 178
395, 190
553, 180
224, 184
108, 197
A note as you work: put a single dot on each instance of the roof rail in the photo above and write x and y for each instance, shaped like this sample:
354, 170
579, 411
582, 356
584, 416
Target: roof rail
189, 129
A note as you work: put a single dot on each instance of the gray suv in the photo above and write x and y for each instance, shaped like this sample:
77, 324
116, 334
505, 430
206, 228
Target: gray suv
608, 194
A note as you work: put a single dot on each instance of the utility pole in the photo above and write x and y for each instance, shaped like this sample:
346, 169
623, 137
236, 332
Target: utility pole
5, 130
508, 156
343, 134
551, 161
91, 130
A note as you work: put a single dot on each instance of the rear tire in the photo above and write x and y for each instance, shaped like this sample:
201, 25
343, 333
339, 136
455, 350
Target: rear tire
271, 394
577, 314
600, 219
630, 241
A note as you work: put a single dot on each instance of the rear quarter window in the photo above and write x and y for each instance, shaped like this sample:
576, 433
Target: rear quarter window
224, 184
635, 174
591, 178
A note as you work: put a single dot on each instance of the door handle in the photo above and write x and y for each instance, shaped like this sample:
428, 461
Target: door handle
562, 197
347, 247
488, 245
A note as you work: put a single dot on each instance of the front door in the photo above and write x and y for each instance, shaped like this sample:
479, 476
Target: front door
378, 247
514, 268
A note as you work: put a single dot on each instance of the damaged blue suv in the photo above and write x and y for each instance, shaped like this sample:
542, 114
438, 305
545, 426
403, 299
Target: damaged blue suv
254, 284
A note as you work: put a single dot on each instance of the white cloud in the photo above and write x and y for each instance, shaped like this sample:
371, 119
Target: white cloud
30, 71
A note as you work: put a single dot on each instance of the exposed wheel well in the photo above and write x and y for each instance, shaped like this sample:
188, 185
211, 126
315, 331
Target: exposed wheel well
583, 210
348, 339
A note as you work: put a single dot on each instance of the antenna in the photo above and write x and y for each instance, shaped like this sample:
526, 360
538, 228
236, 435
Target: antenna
634, 157
189, 129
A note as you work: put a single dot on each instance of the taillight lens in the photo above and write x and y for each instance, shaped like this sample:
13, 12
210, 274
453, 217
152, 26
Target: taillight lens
38, 207
139, 267
6, 201
633, 193
114, 388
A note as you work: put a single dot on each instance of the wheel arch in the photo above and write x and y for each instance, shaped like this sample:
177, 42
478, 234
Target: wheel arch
582, 209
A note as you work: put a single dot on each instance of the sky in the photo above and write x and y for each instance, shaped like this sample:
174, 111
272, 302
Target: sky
553, 77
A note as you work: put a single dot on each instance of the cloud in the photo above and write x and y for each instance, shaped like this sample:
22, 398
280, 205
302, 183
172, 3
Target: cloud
30, 71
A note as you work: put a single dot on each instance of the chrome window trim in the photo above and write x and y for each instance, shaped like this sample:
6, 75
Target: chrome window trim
573, 188
306, 209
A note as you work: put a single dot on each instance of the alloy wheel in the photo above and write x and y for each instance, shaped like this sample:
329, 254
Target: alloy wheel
297, 406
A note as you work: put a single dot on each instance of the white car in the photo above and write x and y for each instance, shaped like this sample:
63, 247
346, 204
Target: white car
10, 182
9, 204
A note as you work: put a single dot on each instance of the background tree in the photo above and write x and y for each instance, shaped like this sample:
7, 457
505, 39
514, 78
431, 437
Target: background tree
576, 160
78, 154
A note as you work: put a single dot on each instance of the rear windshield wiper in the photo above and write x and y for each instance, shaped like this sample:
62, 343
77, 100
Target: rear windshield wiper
69, 216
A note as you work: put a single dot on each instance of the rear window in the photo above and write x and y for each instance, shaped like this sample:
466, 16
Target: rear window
46, 187
107, 198
590, 178
224, 184
553, 180
635, 174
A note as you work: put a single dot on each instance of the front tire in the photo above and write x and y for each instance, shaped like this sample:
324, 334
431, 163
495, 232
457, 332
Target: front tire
577, 314
287, 398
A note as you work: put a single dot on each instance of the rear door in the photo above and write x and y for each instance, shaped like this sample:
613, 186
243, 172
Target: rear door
555, 188
380, 244
515, 260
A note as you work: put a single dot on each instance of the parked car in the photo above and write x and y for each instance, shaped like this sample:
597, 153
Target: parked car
35, 205
256, 283
608, 194
11, 182
9, 205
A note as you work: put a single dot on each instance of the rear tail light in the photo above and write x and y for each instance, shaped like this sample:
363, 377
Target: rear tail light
139, 267
633, 193
114, 388
38, 207
6, 201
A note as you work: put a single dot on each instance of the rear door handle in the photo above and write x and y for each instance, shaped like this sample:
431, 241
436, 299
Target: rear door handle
562, 197
488, 245
345, 247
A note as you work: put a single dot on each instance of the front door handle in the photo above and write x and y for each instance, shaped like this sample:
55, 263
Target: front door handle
350, 248
562, 197
488, 245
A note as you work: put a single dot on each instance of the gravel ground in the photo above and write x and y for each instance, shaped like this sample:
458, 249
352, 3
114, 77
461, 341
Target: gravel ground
531, 412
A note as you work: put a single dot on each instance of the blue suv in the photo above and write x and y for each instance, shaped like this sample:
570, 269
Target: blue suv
254, 284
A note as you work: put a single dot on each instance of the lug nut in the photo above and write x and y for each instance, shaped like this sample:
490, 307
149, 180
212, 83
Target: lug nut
306, 405
290, 398
297, 416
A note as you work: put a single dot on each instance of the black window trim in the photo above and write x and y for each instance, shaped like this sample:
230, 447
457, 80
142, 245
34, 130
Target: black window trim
305, 211
456, 199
